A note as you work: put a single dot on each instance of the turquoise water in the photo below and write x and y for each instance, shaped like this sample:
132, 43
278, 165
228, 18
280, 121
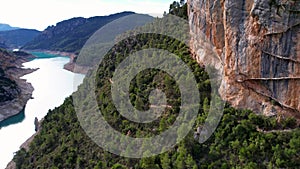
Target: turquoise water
52, 84
41, 55
13, 120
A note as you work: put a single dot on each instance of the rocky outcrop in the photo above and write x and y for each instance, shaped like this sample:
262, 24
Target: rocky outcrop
73, 67
14, 92
258, 45
11, 165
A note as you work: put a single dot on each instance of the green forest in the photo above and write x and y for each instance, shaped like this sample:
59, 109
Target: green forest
242, 139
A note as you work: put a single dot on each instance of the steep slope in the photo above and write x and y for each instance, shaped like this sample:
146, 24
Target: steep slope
258, 43
242, 140
15, 39
106, 38
70, 35
14, 92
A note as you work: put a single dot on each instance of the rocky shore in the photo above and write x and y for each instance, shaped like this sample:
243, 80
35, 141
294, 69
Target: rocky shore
15, 92
71, 66
15, 106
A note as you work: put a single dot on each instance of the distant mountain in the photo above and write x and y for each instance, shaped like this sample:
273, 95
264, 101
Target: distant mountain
70, 35
6, 27
17, 38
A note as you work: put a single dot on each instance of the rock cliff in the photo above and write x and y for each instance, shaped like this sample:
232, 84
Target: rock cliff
258, 44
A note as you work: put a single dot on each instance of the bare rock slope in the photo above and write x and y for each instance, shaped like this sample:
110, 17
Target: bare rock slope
258, 44
14, 92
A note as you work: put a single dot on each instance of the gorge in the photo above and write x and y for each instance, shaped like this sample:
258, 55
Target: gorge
256, 50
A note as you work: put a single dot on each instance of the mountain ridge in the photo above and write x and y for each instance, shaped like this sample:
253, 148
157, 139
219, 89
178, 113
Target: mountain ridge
15, 39
6, 27
239, 141
70, 35
242, 140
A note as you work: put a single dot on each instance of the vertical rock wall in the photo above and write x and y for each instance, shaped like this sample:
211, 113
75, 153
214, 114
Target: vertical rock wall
258, 43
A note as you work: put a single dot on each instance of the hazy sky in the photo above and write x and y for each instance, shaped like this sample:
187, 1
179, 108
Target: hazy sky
38, 14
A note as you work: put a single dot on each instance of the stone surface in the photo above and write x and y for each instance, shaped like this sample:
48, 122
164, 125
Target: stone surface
258, 45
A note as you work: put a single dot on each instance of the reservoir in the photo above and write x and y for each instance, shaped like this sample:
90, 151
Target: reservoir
52, 84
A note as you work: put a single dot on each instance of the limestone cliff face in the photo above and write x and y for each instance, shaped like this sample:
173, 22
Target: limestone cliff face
258, 44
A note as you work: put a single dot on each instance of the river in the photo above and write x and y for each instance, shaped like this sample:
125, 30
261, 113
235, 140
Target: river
52, 84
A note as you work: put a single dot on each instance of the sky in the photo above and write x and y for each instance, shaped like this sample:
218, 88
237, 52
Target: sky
39, 14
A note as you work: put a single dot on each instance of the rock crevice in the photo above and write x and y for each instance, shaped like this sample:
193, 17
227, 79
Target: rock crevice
258, 44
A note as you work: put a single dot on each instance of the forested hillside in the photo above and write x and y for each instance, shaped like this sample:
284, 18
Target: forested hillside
242, 139
70, 35
14, 39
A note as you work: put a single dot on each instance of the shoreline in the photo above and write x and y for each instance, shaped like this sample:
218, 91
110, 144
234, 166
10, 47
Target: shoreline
14, 107
26, 144
67, 54
71, 66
